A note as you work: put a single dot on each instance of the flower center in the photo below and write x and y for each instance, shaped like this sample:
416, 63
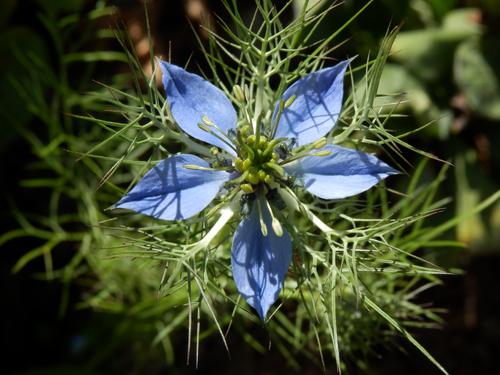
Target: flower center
257, 160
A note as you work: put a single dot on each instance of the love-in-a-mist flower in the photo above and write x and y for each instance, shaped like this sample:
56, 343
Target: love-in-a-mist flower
254, 161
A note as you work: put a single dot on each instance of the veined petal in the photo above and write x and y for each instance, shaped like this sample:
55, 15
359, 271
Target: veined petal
343, 173
169, 191
317, 105
259, 262
191, 97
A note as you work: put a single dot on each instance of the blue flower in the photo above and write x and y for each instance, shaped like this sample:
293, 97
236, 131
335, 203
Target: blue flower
289, 151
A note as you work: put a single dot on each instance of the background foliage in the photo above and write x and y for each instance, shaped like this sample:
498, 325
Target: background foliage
65, 307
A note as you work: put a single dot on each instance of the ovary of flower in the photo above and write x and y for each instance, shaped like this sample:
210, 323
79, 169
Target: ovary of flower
254, 160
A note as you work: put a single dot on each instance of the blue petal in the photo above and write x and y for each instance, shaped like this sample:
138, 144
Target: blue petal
343, 173
169, 191
191, 97
316, 107
259, 262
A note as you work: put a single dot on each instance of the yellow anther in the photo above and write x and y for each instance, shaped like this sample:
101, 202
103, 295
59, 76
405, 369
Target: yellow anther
320, 143
262, 175
276, 168
277, 228
246, 164
253, 178
251, 139
263, 142
270, 146
290, 101
238, 164
275, 156
247, 188
245, 130
207, 121
269, 179
214, 150
204, 127
238, 93
322, 153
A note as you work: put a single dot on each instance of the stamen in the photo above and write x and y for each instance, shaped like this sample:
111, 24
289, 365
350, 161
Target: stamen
247, 188
206, 127
207, 121
207, 124
277, 228
198, 168
275, 167
269, 150
304, 154
238, 164
321, 153
263, 226
246, 164
320, 143
239, 93
253, 178
290, 101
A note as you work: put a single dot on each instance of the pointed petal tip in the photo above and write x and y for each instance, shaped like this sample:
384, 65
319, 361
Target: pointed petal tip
343, 173
168, 191
316, 107
190, 98
259, 263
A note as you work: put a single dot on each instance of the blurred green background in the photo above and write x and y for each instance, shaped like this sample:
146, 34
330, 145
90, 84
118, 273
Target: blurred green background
444, 68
